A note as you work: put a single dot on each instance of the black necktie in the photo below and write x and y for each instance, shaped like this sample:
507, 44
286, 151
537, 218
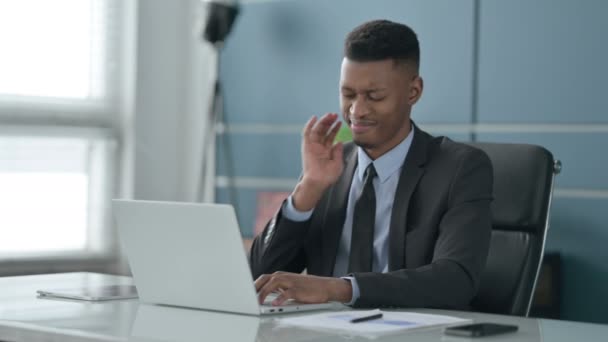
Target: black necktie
364, 216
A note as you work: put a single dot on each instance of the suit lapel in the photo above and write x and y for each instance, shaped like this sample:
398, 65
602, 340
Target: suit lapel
336, 213
411, 172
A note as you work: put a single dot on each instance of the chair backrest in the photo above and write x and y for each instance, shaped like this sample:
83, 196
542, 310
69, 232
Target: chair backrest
523, 184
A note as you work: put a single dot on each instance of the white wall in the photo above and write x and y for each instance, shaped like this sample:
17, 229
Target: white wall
173, 88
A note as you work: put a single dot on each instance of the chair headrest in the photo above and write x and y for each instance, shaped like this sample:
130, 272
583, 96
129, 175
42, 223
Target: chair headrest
523, 176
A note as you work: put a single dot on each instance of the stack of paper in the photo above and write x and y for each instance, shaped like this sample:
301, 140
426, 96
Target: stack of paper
391, 321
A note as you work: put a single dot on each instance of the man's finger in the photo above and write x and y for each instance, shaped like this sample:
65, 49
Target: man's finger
261, 281
275, 283
320, 128
283, 297
331, 136
308, 127
263, 293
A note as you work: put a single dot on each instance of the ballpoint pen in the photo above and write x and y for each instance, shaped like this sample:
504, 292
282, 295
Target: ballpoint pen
375, 315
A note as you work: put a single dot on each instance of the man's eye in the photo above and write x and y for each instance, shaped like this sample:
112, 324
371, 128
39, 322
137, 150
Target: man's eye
376, 98
348, 96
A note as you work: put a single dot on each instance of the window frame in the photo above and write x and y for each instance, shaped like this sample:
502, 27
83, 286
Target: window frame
101, 246
102, 119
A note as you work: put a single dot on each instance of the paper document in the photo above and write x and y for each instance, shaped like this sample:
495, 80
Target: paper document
390, 322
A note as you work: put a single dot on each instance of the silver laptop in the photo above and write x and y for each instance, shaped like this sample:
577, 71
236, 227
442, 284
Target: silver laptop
191, 255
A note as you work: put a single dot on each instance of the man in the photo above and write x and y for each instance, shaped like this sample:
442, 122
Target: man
397, 218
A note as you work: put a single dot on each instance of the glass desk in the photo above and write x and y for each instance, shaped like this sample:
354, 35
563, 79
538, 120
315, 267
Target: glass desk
24, 317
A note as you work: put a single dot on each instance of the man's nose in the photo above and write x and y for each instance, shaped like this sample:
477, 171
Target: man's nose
359, 107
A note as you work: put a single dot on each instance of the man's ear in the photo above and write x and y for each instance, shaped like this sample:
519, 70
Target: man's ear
416, 86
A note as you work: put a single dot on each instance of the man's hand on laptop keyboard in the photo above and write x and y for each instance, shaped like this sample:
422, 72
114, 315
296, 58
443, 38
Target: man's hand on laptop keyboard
302, 288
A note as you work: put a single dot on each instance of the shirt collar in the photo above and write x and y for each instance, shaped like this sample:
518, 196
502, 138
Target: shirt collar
389, 162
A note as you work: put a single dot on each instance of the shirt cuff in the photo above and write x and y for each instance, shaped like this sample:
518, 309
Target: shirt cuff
293, 214
355, 286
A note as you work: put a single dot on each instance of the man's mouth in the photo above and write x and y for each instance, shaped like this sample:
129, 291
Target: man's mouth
358, 127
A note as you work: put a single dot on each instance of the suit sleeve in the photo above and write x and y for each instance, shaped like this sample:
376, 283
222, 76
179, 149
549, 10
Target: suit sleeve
280, 247
461, 249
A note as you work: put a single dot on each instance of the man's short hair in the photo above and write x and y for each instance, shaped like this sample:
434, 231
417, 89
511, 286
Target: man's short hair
382, 39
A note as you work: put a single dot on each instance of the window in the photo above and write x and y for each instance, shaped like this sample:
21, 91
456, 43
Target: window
59, 49
60, 109
51, 192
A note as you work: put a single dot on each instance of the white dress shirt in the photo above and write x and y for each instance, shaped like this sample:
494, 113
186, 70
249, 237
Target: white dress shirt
388, 167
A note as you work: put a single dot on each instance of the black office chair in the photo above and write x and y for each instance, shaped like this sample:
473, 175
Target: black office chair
523, 186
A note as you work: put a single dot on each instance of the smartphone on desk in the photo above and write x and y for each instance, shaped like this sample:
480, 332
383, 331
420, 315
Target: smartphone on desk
480, 329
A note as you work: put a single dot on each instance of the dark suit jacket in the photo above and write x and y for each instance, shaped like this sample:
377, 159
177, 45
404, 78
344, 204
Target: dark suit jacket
439, 231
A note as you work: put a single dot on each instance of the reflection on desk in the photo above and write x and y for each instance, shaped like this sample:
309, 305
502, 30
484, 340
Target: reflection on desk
165, 323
